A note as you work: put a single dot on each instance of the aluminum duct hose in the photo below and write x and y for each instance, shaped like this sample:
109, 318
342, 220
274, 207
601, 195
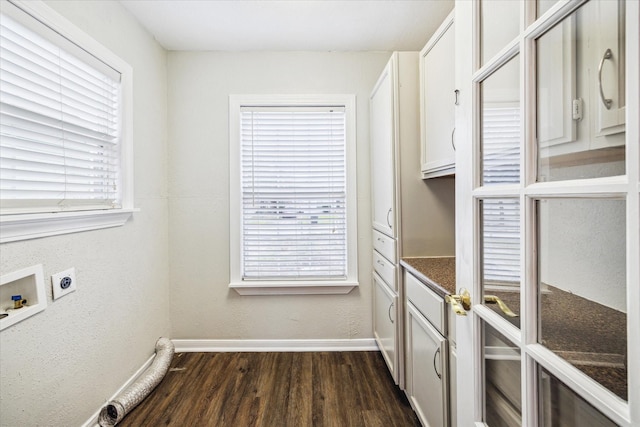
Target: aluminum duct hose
116, 409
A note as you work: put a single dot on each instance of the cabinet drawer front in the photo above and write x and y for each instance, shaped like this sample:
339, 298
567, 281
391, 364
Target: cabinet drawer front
385, 245
426, 301
386, 270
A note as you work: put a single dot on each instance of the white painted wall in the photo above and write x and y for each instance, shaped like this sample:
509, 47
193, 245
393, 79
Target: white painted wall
202, 306
61, 365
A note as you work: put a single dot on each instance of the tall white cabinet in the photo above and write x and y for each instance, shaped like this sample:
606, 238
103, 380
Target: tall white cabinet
383, 150
394, 129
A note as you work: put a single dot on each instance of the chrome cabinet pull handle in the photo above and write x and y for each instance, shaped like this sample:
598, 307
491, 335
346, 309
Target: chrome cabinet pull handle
453, 143
457, 92
606, 101
389, 313
389, 223
435, 367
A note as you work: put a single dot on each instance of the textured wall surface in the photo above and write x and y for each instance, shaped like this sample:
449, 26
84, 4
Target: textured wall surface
58, 367
199, 88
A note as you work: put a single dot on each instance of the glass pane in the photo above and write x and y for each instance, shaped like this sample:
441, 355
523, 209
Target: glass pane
501, 257
503, 403
582, 286
544, 5
499, 25
500, 121
580, 95
561, 406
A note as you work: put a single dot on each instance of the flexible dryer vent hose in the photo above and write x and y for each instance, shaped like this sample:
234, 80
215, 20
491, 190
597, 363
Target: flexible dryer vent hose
116, 409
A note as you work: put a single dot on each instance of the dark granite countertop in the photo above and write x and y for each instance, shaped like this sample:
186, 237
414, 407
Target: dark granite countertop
439, 273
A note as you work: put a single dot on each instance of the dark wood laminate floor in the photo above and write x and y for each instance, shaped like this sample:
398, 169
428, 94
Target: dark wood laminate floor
332, 389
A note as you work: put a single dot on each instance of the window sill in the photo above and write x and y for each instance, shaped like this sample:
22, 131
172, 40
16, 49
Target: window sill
14, 228
293, 288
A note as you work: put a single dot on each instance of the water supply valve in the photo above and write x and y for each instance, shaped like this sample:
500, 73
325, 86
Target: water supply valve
18, 302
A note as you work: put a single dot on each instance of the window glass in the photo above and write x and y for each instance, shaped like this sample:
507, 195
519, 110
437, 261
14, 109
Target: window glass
544, 5
60, 123
293, 193
580, 94
499, 25
501, 257
500, 121
503, 402
582, 286
561, 406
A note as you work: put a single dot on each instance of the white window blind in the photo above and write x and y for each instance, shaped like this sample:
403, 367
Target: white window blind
501, 217
501, 241
293, 181
500, 145
59, 124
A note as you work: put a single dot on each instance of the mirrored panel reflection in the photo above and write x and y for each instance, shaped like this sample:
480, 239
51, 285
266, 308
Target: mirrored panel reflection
503, 403
561, 406
501, 257
582, 286
500, 141
581, 94
499, 25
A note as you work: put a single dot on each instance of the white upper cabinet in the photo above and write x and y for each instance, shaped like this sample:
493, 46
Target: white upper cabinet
437, 102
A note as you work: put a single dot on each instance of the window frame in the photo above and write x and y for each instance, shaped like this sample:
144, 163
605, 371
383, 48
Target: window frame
288, 287
24, 226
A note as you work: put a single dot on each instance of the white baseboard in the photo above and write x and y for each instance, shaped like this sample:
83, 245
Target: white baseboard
186, 346
93, 421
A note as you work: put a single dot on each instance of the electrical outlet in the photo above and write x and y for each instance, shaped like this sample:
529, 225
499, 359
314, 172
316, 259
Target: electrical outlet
63, 283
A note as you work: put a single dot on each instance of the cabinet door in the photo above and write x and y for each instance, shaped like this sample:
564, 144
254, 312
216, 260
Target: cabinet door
384, 318
383, 152
427, 369
609, 58
437, 82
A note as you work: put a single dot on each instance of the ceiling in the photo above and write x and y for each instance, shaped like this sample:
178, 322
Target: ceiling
290, 25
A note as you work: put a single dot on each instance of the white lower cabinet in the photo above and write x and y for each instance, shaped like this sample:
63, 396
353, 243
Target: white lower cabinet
427, 354
384, 328
427, 368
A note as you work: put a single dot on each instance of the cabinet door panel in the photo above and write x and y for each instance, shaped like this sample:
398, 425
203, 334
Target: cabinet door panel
384, 328
438, 101
428, 369
382, 153
610, 68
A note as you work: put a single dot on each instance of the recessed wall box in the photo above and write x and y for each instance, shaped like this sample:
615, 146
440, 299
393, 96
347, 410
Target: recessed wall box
27, 283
